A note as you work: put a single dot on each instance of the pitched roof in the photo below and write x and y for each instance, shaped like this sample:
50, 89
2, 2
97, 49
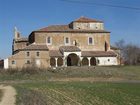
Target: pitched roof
66, 28
55, 28
55, 53
35, 47
69, 49
85, 19
98, 54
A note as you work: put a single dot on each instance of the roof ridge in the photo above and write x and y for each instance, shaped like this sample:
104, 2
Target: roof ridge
86, 19
35, 46
58, 25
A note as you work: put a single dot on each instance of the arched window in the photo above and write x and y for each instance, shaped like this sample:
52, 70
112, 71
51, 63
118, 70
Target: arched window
49, 40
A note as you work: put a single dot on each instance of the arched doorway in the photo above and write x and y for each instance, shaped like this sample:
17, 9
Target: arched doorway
93, 61
52, 62
60, 61
84, 61
72, 60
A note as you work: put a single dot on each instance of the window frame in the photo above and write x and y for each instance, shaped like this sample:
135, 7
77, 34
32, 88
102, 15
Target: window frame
13, 62
49, 39
65, 40
28, 61
89, 41
37, 54
27, 54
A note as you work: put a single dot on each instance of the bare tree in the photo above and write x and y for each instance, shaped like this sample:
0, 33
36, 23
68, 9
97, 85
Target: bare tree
129, 52
121, 45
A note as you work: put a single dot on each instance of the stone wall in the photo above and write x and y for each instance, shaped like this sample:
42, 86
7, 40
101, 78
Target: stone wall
88, 26
18, 45
99, 40
21, 58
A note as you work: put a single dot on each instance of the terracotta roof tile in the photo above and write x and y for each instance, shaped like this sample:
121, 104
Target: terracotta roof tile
66, 28
85, 19
36, 47
55, 53
69, 49
98, 53
55, 28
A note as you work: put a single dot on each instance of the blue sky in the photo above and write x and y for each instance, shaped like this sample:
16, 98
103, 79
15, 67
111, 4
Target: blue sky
29, 15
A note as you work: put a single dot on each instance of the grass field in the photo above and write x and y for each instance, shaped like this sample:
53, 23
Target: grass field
79, 93
1, 94
114, 72
114, 85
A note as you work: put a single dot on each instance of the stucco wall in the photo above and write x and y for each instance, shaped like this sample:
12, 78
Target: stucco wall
107, 61
6, 64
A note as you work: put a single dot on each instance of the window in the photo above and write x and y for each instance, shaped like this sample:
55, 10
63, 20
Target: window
37, 54
90, 41
13, 62
28, 62
67, 41
49, 40
27, 54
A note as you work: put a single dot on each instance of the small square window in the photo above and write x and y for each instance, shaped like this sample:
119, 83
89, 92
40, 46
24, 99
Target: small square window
28, 62
37, 54
13, 62
108, 60
27, 54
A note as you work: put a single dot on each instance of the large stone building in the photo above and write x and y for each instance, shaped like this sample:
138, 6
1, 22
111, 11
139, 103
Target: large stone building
83, 42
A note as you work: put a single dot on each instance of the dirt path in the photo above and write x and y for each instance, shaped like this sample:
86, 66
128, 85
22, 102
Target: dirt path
9, 95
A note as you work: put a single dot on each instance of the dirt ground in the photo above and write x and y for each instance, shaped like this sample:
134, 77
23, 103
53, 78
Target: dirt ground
9, 95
